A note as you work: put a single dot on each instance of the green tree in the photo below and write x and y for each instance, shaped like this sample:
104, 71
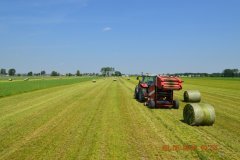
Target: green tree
3, 71
118, 73
107, 71
11, 72
37, 74
78, 73
69, 74
54, 73
43, 73
216, 75
30, 73
235, 72
228, 73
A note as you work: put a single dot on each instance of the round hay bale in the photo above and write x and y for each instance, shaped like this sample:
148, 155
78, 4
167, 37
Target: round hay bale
10, 79
199, 114
192, 96
94, 81
26, 79
114, 79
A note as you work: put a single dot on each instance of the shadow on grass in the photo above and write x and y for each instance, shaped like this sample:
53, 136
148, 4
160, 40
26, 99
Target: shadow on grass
182, 120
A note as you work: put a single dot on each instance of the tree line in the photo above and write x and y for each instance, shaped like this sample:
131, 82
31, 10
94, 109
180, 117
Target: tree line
224, 73
110, 71
105, 71
12, 72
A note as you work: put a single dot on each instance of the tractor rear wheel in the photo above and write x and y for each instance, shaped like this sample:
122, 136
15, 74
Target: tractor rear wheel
175, 104
140, 96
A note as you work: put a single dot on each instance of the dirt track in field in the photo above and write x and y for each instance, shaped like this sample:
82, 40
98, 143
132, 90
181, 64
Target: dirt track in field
102, 121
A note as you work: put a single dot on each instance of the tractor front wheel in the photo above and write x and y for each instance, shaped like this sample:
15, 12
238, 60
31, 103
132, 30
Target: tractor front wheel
136, 93
175, 104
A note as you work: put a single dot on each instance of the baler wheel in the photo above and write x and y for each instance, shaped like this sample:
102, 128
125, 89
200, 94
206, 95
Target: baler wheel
151, 104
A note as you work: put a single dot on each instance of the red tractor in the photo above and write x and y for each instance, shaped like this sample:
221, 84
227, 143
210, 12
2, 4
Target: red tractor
157, 91
141, 90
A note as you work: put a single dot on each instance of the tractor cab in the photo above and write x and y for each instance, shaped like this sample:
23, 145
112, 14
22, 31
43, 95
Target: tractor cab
146, 81
141, 90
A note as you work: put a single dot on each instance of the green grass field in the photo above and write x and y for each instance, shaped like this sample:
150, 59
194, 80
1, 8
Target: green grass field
8, 88
101, 120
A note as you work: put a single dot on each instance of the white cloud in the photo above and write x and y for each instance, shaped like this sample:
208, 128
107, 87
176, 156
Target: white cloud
106, 29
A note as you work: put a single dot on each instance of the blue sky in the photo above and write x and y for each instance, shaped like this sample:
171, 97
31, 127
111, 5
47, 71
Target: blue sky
156, 36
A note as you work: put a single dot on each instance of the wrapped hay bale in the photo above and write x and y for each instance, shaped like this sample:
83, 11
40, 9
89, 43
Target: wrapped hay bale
10, 79
192, 96
196, 114
26, 79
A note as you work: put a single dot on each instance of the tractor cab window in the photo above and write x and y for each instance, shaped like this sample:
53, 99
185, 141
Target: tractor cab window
149, 80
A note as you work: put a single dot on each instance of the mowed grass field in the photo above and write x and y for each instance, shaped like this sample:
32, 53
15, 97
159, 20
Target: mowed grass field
101, 120
18, 85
